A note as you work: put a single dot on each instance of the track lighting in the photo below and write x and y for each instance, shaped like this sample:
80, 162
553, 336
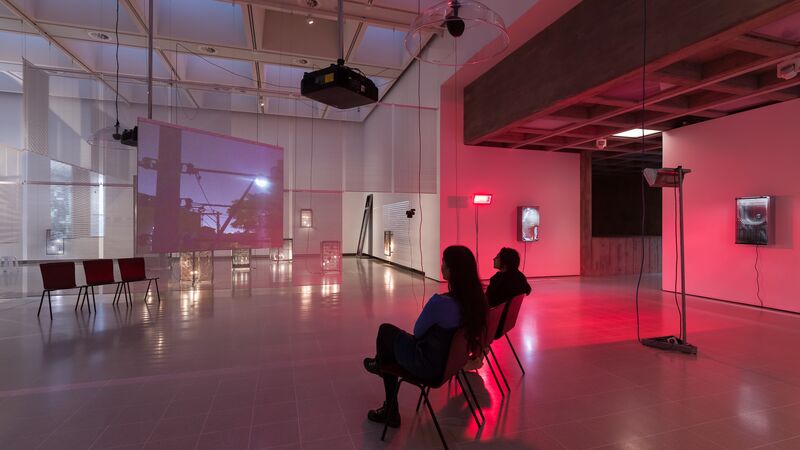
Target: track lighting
310, 19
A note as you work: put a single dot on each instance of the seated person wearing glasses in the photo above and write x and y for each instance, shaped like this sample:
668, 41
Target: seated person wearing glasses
424, 353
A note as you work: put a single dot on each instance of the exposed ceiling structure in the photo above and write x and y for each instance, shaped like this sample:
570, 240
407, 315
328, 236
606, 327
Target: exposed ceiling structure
725, 77
239, 55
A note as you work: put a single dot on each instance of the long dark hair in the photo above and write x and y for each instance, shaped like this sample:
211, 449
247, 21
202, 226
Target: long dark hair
465, 287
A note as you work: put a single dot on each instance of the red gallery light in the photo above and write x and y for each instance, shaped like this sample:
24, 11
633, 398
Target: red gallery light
482, 199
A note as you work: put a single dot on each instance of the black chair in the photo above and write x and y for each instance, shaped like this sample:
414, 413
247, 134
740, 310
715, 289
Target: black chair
457, 357
56, 276
98, 272
133, 269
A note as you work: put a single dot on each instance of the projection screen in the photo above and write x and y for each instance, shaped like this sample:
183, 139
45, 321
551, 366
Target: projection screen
203, 191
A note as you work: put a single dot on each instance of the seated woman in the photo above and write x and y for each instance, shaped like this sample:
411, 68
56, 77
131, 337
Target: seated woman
424, 354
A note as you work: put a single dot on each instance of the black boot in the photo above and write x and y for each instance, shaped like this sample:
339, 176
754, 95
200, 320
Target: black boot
371, 364
381, 415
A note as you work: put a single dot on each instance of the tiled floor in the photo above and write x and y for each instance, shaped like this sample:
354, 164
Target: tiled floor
280, 367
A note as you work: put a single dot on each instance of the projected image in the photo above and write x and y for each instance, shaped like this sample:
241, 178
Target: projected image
753, 220
528, 223
202, 191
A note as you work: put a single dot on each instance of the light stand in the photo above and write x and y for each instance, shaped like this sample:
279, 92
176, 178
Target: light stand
672, 178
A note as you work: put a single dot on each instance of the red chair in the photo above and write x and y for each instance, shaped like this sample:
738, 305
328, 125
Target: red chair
457, 357
131, 270
56, 276
493, 325
508, 323
99, 272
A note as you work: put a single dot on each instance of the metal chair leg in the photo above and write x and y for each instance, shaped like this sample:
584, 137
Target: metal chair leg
158, 294
499, 369
78, 300
494, 375
515, 354
469, 403
40, 304
116, 295
94, 301
472, 393
419, 402
50, 305
147, 291
435, 422
390, 406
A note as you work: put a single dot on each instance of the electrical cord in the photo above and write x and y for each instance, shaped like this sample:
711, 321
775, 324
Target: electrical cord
525, 257
758, 283
644, 86
675, 283
116, 56
419, 161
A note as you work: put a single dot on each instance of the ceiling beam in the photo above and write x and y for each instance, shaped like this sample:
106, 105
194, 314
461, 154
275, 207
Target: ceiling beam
65, 31
540, 89
9, 4
134, 12
384, 16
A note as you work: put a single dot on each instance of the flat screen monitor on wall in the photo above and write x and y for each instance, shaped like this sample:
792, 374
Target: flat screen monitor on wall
204, 191
755, 221
528, 223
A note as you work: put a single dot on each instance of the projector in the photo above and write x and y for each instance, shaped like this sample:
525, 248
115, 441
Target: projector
339, 86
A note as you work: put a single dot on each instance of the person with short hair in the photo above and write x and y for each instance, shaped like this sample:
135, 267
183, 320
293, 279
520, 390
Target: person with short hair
508, 282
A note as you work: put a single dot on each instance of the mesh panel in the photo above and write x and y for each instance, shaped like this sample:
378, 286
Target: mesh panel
408, 177
395, 220
10, 214
36, 97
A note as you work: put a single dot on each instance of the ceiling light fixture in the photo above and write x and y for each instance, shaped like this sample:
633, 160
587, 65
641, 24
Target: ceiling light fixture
456, 17
312, 3
637, 133
207, 49
310, 19
99, 36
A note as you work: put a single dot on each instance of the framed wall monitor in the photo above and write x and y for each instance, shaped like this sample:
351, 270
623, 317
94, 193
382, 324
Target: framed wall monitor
528, 223
755, 220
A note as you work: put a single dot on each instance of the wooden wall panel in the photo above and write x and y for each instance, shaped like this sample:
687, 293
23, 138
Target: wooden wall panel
621, 255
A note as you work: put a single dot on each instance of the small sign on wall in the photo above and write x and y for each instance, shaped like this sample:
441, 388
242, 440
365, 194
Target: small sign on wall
755, 220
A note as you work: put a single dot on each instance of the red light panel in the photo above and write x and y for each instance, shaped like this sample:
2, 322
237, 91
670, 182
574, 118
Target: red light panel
482, 199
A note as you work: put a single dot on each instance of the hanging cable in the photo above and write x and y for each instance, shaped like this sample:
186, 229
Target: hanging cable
116, 90
419, 165
644, 87
525, 258
675, 283
758, 283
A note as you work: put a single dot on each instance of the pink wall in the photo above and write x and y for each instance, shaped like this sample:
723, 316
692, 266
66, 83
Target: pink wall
515, 178
747, 154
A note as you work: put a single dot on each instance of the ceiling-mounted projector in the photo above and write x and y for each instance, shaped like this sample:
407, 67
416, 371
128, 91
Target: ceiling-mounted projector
339, 86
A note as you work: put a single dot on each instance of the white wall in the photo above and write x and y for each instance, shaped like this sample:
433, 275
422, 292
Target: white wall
748, 154
429, 215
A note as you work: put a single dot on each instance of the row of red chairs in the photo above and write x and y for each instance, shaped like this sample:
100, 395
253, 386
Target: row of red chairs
61, 275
